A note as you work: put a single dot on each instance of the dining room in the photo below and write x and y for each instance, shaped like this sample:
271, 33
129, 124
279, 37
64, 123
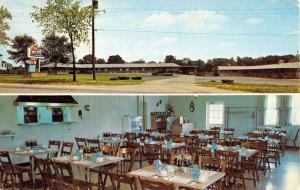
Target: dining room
149, 142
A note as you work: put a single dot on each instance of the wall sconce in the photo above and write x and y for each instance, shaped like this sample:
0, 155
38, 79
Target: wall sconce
192, 106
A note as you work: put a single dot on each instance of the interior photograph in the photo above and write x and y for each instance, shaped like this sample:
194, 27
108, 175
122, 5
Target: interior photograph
149, 142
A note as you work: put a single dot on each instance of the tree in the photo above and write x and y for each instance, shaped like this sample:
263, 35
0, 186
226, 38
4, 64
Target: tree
100, 61
4, 26
139, 61
170, 59
19, 45
66, 17
56, 49
87, 59
115, 59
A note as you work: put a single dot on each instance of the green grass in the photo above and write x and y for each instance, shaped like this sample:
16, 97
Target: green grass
66, 79
256, 88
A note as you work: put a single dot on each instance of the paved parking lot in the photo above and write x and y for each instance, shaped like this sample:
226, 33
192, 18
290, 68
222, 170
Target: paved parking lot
179, 84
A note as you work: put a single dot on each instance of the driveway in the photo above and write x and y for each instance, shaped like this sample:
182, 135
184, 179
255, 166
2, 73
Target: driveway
179, 84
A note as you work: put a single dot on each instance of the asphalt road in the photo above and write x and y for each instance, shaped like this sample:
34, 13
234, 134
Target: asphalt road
180, 84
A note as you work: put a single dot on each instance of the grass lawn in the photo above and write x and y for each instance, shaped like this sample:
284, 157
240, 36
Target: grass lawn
257, 88
66, 79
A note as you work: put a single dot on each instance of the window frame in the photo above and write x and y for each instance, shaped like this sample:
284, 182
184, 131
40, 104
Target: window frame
208, 115
267, 112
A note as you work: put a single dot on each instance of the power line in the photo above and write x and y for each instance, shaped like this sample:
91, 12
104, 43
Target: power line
197, 33
202, 9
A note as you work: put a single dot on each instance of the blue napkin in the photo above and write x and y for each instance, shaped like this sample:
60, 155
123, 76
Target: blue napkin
196, 172
156, 165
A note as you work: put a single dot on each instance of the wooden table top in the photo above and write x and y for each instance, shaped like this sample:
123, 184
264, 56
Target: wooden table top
32, 153
86, 163
181, 178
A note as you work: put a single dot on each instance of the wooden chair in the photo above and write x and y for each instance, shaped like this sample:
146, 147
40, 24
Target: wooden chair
104, 171
155, 185
81, 143
10, 172
131, 137
66, 148
55, 145
152, 152
119, 174
43, 166
181, 160
214, 164
194, 132
230, 133
93, 145
64, 173
200, 152
215, 129
118, 178
61, 185
233, 170
250, 164
193, 142
139, 156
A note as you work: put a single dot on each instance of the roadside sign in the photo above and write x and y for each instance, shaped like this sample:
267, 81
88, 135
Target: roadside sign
34, 52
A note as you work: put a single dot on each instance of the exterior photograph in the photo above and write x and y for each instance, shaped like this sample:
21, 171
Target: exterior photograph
149, 47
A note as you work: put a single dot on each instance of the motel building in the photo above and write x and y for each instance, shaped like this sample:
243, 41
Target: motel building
280, 71
4, 66
112, 68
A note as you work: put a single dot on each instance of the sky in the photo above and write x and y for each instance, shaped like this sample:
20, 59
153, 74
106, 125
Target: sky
195, 29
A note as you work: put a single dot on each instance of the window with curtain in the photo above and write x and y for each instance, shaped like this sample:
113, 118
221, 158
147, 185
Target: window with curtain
271, 112
295, 104
215, 114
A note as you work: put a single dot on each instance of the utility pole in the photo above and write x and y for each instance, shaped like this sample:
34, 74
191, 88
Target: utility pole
95, 6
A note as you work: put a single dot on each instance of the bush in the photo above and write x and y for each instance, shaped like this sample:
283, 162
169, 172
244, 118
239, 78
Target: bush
123, 78
114, 78
227, 81
136, 78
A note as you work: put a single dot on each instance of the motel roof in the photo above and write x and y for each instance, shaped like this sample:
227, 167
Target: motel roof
100, 66
295, 65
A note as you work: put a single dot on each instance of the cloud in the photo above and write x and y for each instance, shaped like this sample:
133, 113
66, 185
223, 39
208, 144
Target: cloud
227, 44
294, 32
253, 21
169, 40
202, 20
192, 21
161, 19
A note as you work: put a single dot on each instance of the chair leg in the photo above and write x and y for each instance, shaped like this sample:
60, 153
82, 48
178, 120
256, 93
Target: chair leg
254, 178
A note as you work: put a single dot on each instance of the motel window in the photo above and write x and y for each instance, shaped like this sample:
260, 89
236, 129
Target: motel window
215, 114
271, 112
295, 104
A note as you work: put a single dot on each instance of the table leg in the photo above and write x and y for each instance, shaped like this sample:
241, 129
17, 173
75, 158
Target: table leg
88, 175
32, 171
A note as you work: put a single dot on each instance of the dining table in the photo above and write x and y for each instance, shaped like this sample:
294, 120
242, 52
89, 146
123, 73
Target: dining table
31, 153
180, 176
87, 163
243, 152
